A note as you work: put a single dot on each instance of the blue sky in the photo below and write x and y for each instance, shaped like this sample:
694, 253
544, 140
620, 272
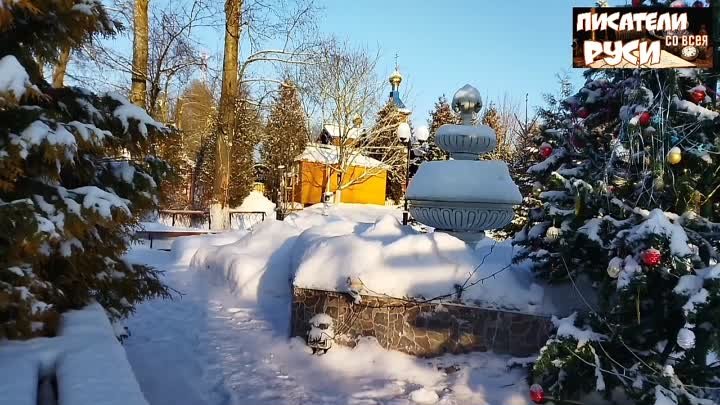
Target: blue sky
500, 47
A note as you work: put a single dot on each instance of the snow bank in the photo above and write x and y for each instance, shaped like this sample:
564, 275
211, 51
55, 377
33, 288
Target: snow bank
257, 262
322, 252
89, 363
97, 372
184, 248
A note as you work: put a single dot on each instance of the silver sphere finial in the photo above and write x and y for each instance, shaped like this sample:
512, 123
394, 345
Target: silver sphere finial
466, 102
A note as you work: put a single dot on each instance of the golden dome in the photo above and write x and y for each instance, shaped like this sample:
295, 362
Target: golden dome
395, 77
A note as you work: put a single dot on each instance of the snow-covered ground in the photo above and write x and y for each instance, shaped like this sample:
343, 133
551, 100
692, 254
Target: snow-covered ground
225, 341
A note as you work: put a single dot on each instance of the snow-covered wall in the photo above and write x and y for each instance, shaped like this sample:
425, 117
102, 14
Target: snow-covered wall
86, 358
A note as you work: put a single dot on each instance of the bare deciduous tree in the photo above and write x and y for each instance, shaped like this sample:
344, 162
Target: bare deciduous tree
172, 52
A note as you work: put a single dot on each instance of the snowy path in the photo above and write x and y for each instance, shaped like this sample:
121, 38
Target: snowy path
210, 348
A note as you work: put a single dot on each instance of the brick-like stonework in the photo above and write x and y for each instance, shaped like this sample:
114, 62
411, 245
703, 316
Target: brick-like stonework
421, 329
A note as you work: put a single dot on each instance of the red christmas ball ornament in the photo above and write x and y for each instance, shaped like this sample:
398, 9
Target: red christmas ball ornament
583, 112
546, 150
651, 257
537, 394
637, 3
698, 96
644, 118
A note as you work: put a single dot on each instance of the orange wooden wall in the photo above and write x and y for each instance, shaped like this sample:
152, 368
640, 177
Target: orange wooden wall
313, 178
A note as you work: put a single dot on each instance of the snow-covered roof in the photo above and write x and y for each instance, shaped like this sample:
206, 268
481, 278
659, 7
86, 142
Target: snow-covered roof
329, 154
335, 132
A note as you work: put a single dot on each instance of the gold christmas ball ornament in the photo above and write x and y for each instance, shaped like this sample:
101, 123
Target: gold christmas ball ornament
553, 233
674, 156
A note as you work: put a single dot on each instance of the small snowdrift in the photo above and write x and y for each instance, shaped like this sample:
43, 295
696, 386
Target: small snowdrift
255, 264
254, 202
184, 248
257, 202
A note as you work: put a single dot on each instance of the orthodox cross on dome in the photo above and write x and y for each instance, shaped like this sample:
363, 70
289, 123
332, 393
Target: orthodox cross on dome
395, 80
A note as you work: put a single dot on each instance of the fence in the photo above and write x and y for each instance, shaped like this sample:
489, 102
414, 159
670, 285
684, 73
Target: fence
245, 219
200, 219
186, 218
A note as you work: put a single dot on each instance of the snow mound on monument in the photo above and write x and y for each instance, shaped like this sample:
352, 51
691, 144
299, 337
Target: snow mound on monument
393, 260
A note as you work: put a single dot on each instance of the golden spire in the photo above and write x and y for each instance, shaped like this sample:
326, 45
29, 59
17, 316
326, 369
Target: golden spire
395, 77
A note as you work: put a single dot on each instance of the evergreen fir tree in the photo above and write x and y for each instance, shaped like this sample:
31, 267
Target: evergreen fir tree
504, 149
242, 149
629, 204
69, 199
441, 114
286, 136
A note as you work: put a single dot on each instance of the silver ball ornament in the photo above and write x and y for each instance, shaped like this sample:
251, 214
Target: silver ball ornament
615, 267
686, 338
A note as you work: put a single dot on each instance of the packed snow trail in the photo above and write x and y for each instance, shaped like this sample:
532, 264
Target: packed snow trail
209, 347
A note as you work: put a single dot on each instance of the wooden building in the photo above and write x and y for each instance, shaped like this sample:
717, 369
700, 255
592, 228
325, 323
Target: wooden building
314, 175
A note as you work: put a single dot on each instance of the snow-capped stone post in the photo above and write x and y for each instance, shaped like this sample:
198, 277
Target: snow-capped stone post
464, 196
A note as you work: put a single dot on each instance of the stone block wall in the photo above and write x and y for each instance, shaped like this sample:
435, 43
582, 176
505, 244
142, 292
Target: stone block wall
421, 329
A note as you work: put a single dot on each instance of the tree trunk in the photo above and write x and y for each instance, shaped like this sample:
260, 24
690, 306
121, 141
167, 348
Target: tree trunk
138, 89
228, 101
60, 68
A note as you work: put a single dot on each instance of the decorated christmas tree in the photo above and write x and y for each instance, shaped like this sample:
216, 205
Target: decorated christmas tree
74, 176
629, 205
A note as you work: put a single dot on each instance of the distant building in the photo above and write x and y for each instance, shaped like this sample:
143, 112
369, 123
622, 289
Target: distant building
314, 175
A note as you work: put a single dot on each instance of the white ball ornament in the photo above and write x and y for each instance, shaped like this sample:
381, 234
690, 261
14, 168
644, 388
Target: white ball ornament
686, 338
615, 267
553, 233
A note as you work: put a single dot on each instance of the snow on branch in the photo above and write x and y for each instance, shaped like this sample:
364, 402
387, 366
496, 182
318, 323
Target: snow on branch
100, 201
127, 111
